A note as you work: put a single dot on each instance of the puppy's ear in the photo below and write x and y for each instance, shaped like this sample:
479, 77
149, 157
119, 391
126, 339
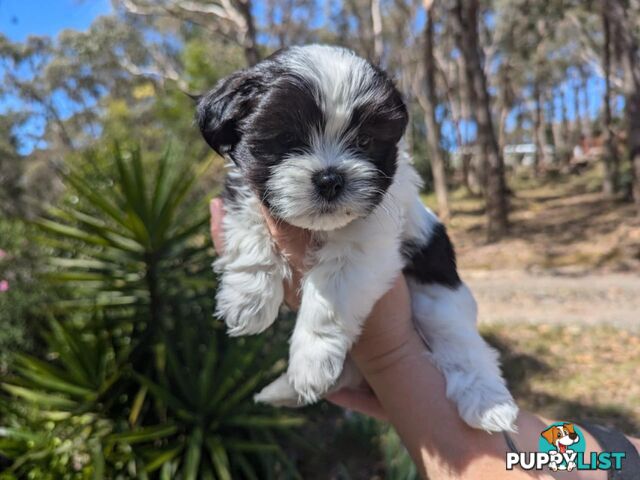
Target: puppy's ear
570, 427
221, 111
550, 435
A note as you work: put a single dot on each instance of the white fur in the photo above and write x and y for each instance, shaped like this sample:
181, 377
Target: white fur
447, 318
295, 198
351, 271
251, 272
358, 259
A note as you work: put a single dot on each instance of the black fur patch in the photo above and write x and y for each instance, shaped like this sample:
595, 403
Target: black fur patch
281, 125
259, 116
434, 262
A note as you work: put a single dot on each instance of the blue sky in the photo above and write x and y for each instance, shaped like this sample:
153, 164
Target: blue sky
21, 18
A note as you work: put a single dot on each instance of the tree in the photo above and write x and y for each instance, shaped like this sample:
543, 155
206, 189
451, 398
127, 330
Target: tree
610, 155
231, 19
429, 104
621, 17
464, 15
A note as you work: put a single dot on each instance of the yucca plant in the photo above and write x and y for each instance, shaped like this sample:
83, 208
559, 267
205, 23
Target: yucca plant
140, 381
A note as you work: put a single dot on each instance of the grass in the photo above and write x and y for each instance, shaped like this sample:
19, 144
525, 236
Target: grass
572, 372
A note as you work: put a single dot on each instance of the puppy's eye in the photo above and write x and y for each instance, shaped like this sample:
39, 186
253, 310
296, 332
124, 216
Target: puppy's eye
364, 141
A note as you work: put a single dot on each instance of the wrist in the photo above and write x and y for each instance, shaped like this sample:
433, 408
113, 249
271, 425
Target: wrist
388, 335
376, 356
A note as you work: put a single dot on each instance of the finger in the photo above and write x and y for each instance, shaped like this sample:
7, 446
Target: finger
217, 214
291, 241
282, 232
359, 401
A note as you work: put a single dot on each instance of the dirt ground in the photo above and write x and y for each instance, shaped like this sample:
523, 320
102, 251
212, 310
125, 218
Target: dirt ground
560, 296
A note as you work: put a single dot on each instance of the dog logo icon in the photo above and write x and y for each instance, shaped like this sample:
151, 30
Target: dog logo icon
563, 438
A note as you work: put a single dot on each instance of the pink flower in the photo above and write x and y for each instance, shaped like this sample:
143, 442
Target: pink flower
2, 254
4, 285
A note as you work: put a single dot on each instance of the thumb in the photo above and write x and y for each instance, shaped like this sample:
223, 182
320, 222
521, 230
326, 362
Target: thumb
216, 210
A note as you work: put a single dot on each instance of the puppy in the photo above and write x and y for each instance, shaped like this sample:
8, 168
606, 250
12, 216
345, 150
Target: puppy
314, 135
561, 437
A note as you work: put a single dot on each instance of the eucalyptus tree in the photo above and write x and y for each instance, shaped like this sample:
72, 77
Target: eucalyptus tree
533, 43
430, 103
623, 17
610, 39
465, 17
232, 20
411, 57
60, 82
610, 157
293, 22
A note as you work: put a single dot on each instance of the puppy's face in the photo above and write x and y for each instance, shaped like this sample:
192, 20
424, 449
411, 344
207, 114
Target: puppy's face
314, 130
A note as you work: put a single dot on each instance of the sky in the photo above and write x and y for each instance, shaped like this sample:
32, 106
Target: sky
21, 18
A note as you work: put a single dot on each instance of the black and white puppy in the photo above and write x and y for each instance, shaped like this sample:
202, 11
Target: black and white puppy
314, 134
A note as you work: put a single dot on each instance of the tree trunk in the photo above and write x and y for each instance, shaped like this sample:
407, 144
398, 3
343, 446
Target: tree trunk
502, 126
540, 131
537, 126
578, 129
436, 154
586, 120
465, 25
249, 43
376, 27
565, 130
548, 125
620, 22
456, 105
505, 105
609, 156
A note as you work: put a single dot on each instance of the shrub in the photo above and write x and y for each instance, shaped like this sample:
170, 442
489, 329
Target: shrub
138, 380
19, 295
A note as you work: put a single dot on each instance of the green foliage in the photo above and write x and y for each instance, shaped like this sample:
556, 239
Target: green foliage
398, 463
139, 381
18, 297
11, 164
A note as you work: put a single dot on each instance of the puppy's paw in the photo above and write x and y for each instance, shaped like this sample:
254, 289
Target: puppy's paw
248, 302
313, 370
496, 418
279, 393
486, 404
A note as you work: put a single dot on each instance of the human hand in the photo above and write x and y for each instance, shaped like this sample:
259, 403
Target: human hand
290, 241
381, 341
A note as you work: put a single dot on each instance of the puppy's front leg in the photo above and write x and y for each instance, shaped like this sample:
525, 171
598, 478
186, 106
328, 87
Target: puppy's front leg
350, 275
250, 289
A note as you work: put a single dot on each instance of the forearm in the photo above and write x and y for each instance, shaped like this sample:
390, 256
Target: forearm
412, 392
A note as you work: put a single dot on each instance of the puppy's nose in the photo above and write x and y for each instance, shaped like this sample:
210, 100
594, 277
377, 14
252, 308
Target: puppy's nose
573, 436
329, 183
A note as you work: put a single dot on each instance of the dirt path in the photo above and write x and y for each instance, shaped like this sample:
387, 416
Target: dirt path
509, 296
